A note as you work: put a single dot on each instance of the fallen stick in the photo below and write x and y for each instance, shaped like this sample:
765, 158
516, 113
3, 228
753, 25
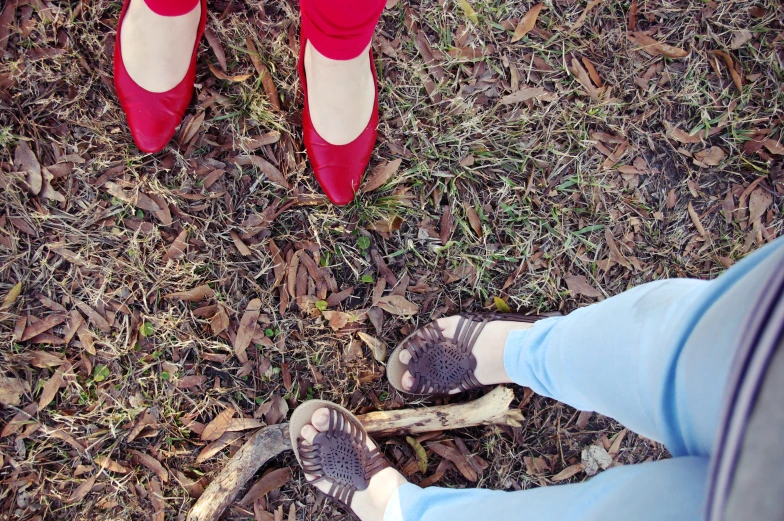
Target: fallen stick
265, 444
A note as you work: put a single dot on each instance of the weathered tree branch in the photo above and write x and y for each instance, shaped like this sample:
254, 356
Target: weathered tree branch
266, 443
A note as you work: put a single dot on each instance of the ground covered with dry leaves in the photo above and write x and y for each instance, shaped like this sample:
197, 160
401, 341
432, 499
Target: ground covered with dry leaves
159, 308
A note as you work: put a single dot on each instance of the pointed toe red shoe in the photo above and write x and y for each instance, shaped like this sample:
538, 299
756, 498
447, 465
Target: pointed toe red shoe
338, 168
153, 117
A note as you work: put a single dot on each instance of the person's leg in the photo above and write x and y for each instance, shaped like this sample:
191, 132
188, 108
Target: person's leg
655, 357
668, 490
341, 89
158, 37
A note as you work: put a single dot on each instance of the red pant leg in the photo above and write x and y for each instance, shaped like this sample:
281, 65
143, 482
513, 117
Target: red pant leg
340, 29
171, 7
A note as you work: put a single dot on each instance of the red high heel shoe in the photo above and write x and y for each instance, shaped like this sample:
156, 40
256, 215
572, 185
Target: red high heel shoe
338, 168
153, 117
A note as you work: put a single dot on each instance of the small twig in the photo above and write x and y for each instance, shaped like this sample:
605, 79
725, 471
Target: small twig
266, 443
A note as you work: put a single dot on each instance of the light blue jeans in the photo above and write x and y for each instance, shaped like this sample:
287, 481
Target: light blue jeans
656, 359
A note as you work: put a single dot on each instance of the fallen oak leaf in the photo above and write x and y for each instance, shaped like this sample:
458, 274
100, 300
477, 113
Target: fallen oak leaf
397, 305
94, 317
655, 47
681, 136
468, 11
578, 285
695, 219
177, 248
267, 483
216, 46
246, 330
527, 22
52, 385
729, 62
266, 77
25, 161
105, 462
151, 463
568, 472
377, 347
381, 175
12, 389
473, 219
11, 297
215, 429
137, 199
221, 76
740, 38
709, 157
82, 490
581, 19
196, 294
523, 94
41, 326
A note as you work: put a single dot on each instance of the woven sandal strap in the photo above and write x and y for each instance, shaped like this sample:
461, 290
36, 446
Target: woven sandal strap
459, 349
326, 459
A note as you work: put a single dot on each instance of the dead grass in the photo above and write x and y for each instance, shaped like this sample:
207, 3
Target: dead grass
550, 205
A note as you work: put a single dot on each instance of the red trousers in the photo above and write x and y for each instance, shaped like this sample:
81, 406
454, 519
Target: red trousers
338, 29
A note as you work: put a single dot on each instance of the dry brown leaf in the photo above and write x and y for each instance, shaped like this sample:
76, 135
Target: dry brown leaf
52, 385
581, 20
616, 443
740, 38
219, 321
105, 462
178, 247
473, 219
157, 500
592, 72
615, 253
218, 425
774, 147
270, 481
377, 347
188, 382
268, 169
655, 47
381, 175
455, 457
12, 389
11, 297
211, 449
709, 157
578, 285
221, 76
45, 324
216, 46
730, 63
679, 135
47, 191
193, 488
696, 220
247, 329
585, 80
759, 201
25, 161
633, 16
152, 464
266, 78
196, 294
241, 246
527, 22
568, 472
82, 490
397, 305
20, 419
523, 94
137, 198
191, 128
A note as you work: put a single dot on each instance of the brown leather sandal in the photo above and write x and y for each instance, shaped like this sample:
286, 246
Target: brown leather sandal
439, 364
339, 455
